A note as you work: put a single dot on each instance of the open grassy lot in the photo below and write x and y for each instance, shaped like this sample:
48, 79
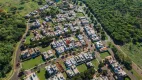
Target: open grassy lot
23, 6
136, 74
82, 68
95, 63
104, 54
65, 75
134, 52
79, 14
32, 62
28, 38
41, 75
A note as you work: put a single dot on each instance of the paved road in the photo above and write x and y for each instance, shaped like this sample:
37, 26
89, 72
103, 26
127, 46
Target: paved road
17, 54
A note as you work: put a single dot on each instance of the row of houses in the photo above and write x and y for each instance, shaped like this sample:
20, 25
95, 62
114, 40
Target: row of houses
65, 44
30, 53
31, 76
49, 3
52, 74
79, 59
72, 71
35, 25
116, 67
91, 33
47, 55
37, 36
84, 21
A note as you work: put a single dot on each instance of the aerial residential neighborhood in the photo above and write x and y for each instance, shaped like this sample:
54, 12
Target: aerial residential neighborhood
74, 46
66, 40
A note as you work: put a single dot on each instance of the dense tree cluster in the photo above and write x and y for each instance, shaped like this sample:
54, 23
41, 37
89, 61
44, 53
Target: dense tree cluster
11, 29
122, 19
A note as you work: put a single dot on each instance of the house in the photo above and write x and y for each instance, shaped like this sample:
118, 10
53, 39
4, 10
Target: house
70, 73
51, 70
35, 25
84, 22
32, 76
89, 64
47, 55
25, 54
100, 46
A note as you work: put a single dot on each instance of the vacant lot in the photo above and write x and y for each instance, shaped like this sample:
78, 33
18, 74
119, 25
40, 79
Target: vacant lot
32, 62
104, 54
82, 68
134, 52
22, 6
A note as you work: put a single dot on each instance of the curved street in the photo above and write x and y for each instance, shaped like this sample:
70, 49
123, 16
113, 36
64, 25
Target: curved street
16, 58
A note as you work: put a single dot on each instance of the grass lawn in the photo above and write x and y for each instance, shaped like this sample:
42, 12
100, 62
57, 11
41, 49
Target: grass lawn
82, 68
104, 54
136, 75
134, 52
44, 49
22, 8
65, 75
41, 74
79, 14
28, 38
95, 63
32, 62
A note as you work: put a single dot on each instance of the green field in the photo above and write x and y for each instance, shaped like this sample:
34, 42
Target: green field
23, 6
82, 68
95, 63
79, 14
41, 74
136, 75
104, 54
28, 38
32, 62
134, 52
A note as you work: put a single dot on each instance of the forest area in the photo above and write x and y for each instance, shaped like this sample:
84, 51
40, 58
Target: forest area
12, 27
122, 20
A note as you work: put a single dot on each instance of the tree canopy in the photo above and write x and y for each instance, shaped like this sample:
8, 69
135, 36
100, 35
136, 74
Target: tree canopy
122, 19
11, 29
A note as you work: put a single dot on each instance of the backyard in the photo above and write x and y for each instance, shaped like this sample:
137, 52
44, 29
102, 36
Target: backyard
82, 68
41, 75
104, 54
32, 62
95, 63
